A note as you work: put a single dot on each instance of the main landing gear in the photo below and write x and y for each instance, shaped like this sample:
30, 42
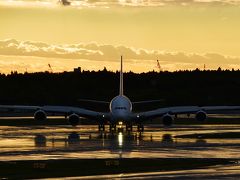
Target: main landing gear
101, 127
140, 128
129, 128
113, 128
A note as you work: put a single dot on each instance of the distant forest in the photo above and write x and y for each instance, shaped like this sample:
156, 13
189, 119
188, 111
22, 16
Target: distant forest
220, 87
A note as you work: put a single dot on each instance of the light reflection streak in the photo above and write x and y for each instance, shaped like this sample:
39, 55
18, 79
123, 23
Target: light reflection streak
120, 139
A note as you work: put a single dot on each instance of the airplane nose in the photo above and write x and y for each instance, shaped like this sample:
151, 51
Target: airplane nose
120, 117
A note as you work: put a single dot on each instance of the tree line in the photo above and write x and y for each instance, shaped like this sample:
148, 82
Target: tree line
220, 87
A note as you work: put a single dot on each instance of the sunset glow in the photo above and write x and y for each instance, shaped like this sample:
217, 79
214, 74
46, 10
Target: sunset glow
93, 35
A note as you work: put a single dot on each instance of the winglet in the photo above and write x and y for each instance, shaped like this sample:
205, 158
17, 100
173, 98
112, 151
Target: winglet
121, 79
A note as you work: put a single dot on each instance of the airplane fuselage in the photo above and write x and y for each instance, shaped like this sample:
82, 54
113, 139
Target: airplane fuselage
120, 109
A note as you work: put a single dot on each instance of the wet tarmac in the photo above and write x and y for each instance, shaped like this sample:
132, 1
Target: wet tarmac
85, 142
53, 142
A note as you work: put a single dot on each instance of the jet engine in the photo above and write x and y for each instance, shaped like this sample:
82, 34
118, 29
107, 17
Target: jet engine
74, 119
40, 115
167, 120
201, 116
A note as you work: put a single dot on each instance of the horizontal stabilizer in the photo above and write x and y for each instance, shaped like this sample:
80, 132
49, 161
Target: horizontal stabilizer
148, 101
93, 101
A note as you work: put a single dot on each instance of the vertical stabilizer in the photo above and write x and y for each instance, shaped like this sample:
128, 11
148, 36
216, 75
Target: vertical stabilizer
121, 79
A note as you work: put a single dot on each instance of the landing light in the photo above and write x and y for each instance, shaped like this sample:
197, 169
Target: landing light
138, 116
103, 115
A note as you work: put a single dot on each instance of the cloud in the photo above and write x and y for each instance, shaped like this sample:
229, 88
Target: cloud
152, 2
106, 52
164, 2
131, 3
39, 49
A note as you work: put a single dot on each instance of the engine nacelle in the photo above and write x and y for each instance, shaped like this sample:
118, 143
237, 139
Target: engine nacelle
74, 119
167, 120
201, 116
40, 115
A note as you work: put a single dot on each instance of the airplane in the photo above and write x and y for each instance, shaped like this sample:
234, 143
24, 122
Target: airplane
121, 112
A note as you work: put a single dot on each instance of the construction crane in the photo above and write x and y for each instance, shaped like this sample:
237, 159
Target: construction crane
50, 68
159, 66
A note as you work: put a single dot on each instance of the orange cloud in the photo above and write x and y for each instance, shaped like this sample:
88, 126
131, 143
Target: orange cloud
131, 3
34, 56
100, 52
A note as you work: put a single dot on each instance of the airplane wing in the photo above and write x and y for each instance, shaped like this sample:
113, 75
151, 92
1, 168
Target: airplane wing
64, 110
79, 111
19, 107
93, 101
186, 110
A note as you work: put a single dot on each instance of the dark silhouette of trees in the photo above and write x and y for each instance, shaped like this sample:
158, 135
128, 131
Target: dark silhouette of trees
173, 88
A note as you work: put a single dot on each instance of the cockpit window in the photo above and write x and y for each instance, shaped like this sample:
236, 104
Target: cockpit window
121, 108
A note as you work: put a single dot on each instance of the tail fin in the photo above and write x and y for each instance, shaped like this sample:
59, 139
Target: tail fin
121, 79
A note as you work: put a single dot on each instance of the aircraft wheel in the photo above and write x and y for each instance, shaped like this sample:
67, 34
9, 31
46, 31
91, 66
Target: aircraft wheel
140, 128
101, 127
112, 127
129, 128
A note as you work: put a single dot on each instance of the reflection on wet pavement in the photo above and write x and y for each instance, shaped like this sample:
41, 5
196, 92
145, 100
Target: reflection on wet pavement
55, 142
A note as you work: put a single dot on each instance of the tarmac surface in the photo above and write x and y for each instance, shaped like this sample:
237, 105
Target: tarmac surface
85, 142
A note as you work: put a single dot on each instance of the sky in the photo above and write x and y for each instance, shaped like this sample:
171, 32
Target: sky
93, 34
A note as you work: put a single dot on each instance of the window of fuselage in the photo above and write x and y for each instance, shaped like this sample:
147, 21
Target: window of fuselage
121, 108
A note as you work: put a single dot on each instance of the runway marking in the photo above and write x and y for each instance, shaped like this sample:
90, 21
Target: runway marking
112, 163
39, 165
